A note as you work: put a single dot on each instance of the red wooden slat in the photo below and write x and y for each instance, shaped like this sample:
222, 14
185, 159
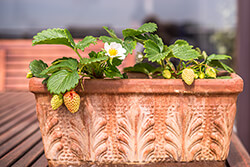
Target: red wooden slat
12, 101
27, 113
13, 115
30, 156
238, 156
19, 151
14, 141
41, 162
17, 129
2, 69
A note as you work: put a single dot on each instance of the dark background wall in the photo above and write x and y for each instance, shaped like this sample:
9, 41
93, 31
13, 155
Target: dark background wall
243, 65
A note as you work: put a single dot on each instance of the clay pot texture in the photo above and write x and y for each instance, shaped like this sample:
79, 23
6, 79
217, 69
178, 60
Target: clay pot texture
140, 121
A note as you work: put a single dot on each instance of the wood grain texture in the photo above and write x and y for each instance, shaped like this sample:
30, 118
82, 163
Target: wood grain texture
238, 155
2, 69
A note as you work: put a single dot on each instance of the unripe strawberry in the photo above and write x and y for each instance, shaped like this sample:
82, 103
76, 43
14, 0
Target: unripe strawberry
210, 72
196, 76
166, 74
29, 75
56, 101
72, 101
202, 75
188, 76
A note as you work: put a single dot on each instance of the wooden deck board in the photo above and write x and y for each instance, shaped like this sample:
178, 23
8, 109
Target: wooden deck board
30, 156
21, 143
41, 162
15, 154
14, 141
17, 129
12, 119
15, 120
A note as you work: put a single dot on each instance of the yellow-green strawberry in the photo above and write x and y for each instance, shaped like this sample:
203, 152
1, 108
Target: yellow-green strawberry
56, 101
210, 72
188, 76
166, 74
202, 75
29, 75
196, 76
72, 101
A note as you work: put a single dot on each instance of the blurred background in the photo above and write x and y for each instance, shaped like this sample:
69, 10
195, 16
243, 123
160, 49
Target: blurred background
217, 26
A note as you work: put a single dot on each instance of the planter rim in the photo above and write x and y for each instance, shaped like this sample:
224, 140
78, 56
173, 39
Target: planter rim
174, 86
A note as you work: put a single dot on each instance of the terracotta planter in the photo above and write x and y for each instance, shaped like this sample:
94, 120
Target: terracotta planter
140, 121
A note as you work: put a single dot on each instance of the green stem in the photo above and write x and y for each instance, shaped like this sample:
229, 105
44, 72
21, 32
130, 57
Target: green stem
81, 82
78, 53
179, 65
196, 62
172, 68
163, 64
139, 40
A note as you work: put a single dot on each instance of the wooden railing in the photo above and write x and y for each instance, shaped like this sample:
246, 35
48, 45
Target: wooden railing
15, 56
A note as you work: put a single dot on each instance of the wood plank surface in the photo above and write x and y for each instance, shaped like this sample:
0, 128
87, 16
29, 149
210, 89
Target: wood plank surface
238, 156
21, 143
19, 138
30, 156
2, 69
41, 161
11, 157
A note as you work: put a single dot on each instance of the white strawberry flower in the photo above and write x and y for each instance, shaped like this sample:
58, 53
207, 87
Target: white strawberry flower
115, 50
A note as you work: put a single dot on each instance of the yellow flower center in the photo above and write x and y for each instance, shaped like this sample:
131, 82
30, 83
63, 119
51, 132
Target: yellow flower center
112, 52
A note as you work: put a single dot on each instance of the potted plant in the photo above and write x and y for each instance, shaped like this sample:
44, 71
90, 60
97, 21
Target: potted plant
92, 114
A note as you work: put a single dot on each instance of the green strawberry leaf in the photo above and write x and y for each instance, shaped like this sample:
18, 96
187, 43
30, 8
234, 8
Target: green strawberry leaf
99, 54
154, 53
145, 28
220, 65
129, 44
112, 72
86, 42
218, 57
116, 61
183, 51
62, 81
130, 32
157, 40
148, 27
36, 67
69, 37
224, 77
54, 36
140, 67
85, 61
109, 39
45, 81
181, 42
111, 32
59, 60
93, 54
66, 64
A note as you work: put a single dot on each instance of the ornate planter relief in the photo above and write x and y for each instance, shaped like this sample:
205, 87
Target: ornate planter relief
140, 122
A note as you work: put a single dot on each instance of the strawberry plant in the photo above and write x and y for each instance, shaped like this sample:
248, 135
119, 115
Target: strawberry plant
192, 63
65, 73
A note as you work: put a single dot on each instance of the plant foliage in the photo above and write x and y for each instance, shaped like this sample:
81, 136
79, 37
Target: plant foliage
64, 73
